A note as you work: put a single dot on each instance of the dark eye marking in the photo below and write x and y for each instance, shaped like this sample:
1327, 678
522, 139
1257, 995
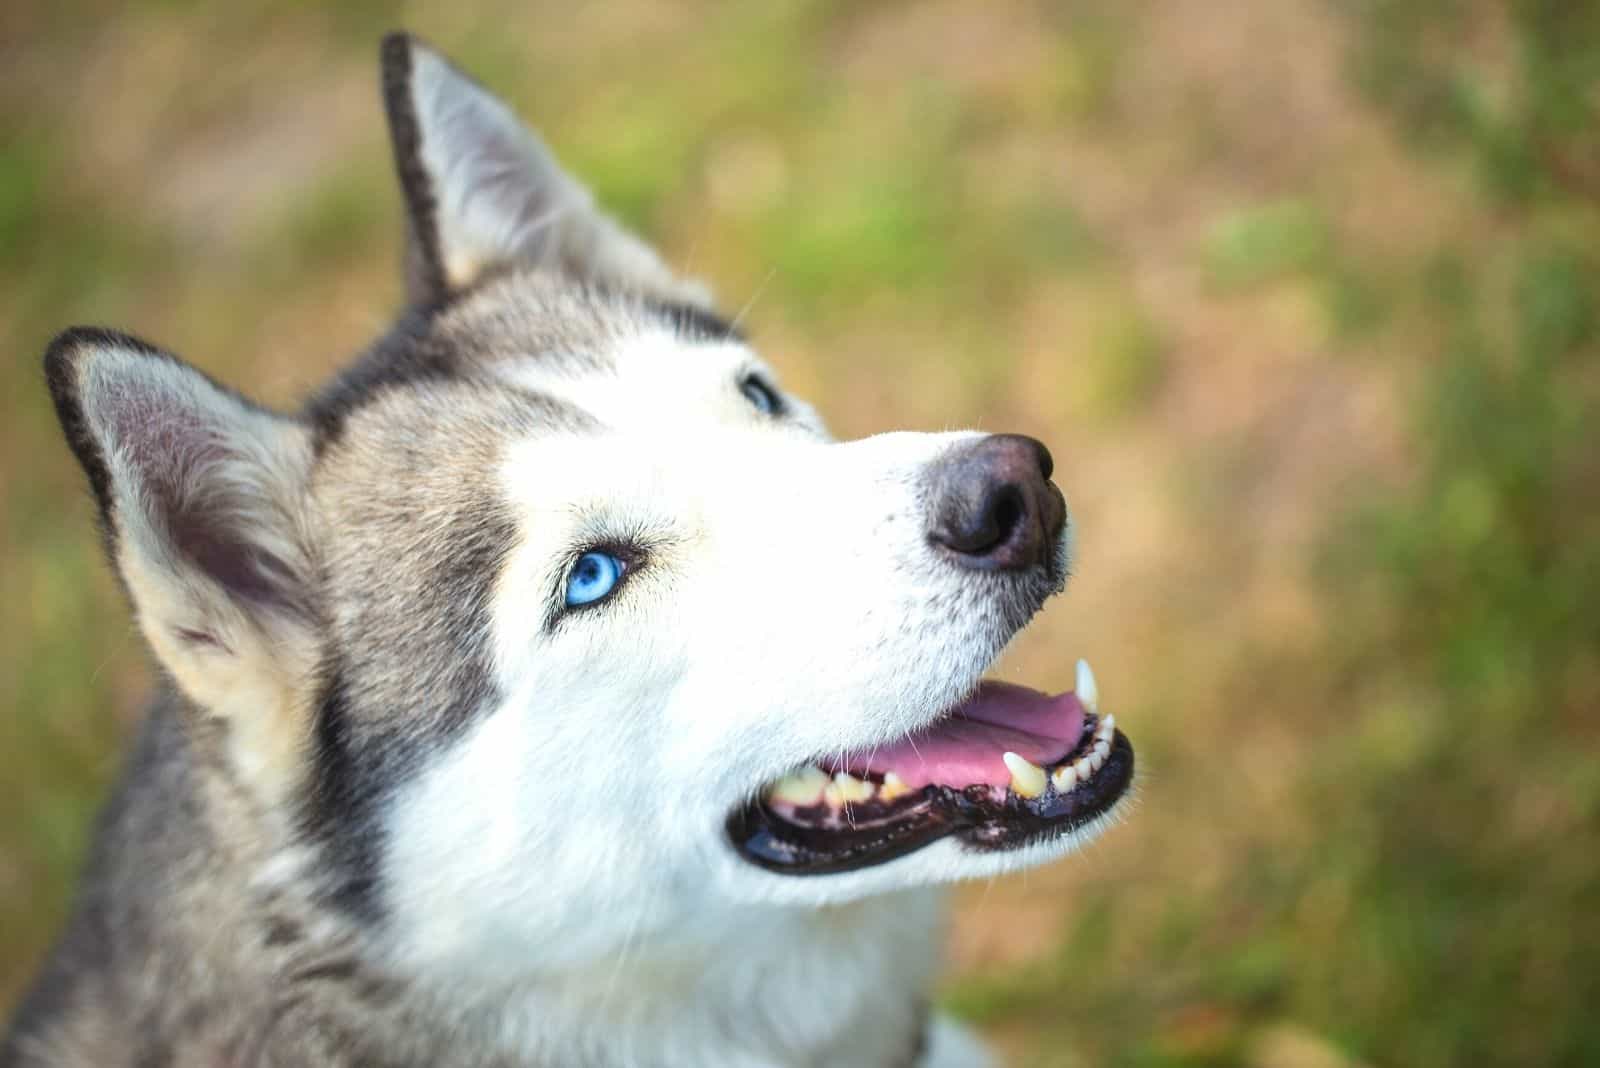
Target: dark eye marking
696, 324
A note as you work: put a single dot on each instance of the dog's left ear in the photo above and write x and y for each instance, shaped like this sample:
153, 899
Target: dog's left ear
482, 191
204, 503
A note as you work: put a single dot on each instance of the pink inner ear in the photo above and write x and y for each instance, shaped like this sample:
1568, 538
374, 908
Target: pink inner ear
195, 490
223, 552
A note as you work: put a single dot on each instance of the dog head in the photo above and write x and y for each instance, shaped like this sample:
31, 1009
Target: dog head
556, 595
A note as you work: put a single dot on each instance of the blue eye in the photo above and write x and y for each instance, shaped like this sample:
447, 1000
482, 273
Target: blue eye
593, 576
761, 395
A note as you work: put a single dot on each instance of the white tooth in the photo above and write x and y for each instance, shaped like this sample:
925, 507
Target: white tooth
1088, 692
852, 788
1027, 778
1065, 778
1096, 762
1085, 769
832, 796
1109, 723
1102, 749
800, 788
893, 787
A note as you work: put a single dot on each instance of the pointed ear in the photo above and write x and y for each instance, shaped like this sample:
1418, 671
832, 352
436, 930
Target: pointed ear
202, 499
482, 191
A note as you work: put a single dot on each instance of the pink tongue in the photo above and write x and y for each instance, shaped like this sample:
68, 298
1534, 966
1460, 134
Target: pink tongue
968, 746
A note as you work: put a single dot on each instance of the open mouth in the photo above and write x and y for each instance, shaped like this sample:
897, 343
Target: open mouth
1006, 768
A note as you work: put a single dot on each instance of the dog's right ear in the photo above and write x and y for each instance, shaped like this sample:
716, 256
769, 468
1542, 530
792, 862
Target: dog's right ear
483, 192
203, 502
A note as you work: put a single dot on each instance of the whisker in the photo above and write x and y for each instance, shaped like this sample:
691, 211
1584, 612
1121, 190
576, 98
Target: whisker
760, 289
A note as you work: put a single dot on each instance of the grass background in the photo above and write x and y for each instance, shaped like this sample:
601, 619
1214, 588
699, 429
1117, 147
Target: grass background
1302, 294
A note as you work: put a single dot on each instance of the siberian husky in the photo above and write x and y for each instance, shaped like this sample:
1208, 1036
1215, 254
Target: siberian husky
551, 689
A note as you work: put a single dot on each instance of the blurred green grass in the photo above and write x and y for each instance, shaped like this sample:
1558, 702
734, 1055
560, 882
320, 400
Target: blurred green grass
1303, 296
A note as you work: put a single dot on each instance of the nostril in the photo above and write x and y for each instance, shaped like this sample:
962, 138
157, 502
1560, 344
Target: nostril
990, 522
972, 534
1006, 511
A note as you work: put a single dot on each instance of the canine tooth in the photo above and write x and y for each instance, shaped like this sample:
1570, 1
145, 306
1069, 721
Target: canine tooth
1102, 749
1027, 778
1088, 692
1109, 723
852, 788
1085, 768
893, 787
800, 788
1096, 762
1065, 778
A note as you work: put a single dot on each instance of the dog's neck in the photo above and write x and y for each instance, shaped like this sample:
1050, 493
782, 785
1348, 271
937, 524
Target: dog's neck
754, 986
727, 985
229, 951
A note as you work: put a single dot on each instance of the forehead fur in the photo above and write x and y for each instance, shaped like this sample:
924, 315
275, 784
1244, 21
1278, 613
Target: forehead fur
570, 326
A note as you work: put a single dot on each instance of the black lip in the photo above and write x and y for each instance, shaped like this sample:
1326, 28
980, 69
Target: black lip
880, 832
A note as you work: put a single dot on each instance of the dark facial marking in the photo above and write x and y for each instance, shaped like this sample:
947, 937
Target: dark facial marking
340, 808
423, 537
693, 323
358, 759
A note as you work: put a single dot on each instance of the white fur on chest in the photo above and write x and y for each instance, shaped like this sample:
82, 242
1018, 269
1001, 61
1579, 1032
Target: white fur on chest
764, 987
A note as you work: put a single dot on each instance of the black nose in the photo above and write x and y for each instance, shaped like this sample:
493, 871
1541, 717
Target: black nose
993, 504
